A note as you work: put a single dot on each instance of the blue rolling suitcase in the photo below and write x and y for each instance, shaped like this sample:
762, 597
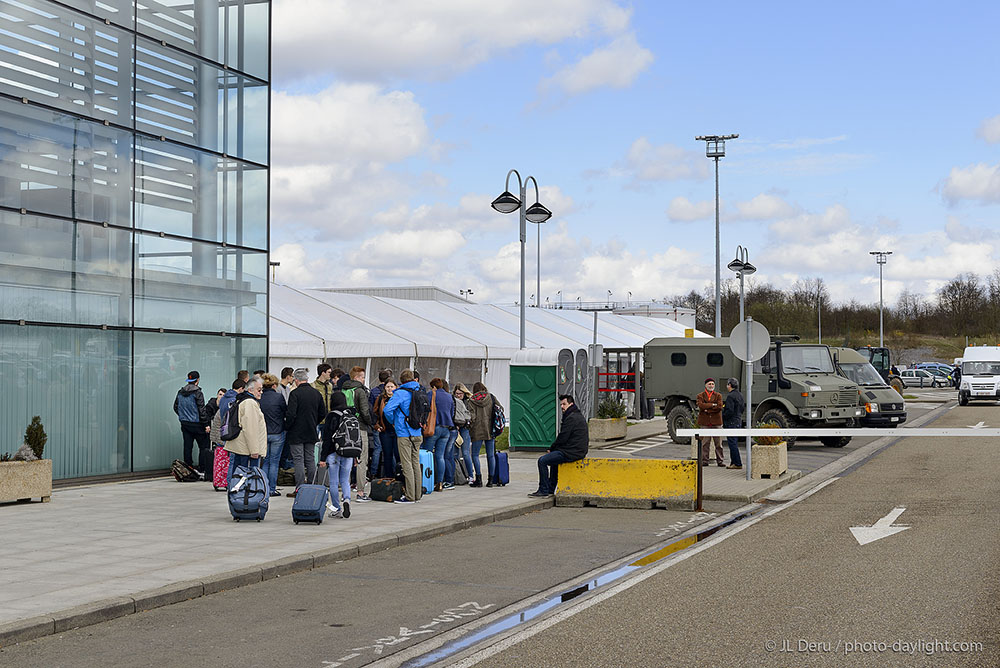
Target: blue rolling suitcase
501, 469
310, 501
427, 471
248, 494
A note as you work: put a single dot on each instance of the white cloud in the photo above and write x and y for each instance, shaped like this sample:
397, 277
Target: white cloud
811, 226
682, 209
615, 66
765, 207
384, 39
414, 248
990, 130
979, 182
329, 155
646, 162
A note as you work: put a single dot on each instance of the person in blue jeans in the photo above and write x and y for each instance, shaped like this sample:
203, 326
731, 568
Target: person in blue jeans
570, 445
481, 430
732, 418
273, 405
440, 443
385, 432
338, 466
251, 443
462, 419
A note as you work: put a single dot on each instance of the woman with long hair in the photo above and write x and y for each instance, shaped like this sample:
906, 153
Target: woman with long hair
385, 431
481, 429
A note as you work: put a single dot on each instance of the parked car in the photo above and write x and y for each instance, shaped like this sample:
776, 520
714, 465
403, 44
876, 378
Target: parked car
931, 366
921, 378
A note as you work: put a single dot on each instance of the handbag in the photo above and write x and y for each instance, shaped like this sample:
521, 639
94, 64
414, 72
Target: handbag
432, 418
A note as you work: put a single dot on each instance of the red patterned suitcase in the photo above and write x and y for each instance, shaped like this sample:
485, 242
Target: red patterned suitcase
220, 468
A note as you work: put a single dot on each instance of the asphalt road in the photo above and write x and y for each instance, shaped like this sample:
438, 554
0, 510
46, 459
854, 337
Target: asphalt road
800, 577
367, 608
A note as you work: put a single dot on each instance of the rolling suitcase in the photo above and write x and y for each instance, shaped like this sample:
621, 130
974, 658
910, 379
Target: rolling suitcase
501, 469
386, 489
427, 471
248, 494
310, 501
220, 468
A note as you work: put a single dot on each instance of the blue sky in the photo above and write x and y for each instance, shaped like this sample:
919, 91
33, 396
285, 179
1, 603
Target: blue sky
862, 126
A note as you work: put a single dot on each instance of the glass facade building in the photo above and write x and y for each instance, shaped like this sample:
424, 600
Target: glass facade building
134, 154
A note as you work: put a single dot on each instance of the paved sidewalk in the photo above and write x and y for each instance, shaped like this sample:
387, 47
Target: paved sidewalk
99, 552
634, 432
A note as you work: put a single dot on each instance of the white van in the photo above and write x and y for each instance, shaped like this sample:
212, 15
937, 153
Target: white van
980, 374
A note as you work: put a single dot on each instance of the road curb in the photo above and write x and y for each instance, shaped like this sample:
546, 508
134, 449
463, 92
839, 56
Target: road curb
793, 476
108, 609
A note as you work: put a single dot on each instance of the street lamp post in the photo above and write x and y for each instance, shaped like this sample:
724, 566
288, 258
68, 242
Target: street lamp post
715, 147
536, 213
466, 293
880, 257
741, 265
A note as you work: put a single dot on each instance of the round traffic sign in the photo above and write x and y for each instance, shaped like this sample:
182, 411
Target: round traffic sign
759, 341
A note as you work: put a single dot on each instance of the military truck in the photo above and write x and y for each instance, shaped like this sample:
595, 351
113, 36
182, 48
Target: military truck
794, 385
881, 361
883, 405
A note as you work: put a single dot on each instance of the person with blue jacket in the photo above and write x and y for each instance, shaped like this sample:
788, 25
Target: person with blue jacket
442, 442
189, 405
408, 440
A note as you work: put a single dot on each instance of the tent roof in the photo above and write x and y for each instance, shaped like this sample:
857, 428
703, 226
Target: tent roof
318, 324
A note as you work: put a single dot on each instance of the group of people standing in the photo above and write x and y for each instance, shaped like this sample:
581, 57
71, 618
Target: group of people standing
290, 421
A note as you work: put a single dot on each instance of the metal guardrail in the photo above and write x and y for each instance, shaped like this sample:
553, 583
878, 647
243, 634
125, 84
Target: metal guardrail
902, 432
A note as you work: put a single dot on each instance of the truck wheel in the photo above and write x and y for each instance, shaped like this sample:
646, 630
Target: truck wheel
897, 385
679, 417
780, 417
963, 399
835, 441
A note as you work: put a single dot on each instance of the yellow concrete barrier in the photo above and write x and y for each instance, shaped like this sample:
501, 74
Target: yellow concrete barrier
628, 483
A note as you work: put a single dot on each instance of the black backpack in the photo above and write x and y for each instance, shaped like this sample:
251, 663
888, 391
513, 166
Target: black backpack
499, 420
231, 424
347, 438
420, 409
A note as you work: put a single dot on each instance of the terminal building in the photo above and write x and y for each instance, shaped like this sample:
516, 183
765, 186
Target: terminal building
134, 154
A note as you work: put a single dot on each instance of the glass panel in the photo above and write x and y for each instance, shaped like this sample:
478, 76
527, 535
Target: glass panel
393, 364
466, 371
678, 359
199, 286
58, 271
66, 60
54, 163
187, 100
77, 381
187, 192
714, 359
119, 11
430, 367
234, 32
162, 362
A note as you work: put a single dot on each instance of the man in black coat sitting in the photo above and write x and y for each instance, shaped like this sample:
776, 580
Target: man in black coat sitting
570, 445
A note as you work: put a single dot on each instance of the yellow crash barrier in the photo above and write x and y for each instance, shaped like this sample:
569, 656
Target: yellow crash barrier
628, 483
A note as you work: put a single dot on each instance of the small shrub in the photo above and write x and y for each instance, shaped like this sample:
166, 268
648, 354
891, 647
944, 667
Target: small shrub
35, 436
768, 440
610, 408
25, 454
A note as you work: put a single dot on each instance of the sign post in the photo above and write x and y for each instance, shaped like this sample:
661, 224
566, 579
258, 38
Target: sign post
749, 341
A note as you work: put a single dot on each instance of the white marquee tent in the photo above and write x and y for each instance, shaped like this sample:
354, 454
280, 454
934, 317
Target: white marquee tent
461, 342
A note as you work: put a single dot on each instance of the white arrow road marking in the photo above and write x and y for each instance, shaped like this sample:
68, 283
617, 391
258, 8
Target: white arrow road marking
978, 425
880, 529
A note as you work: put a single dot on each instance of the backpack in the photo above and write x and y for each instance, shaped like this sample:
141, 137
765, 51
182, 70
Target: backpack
349, 395
347, 438
420, 409
499, 420
183, 472
231, 420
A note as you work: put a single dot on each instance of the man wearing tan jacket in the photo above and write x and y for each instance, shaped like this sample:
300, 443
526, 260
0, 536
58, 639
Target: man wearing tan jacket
251, 443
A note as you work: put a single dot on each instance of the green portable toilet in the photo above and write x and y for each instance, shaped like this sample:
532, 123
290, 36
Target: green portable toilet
534, 398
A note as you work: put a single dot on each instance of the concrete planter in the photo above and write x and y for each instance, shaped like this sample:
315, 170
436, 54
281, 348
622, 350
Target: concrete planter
26, 480
768, 461
607, 429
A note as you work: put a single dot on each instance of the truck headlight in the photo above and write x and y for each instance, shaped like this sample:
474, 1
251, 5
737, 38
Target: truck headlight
858, 413
814, 414
871, 408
